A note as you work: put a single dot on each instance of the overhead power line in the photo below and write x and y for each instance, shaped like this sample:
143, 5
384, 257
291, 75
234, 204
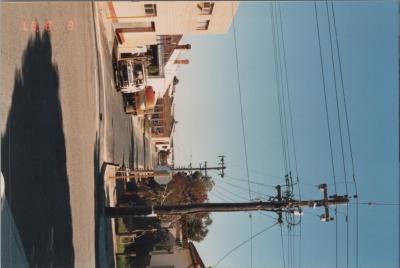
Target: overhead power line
226, 197
283, 248
347, 124
256, 171
241, 244
243, 132
232, 193
328, 124
252, 182
288, 94
220, 197
278, 82
241, 105
244, 189
375, 204
291, 127
340, 130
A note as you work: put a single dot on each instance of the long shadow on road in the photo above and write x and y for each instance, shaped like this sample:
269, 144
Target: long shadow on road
33, 161
102, 225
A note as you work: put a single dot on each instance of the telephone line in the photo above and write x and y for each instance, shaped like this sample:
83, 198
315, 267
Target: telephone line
241, 244
232, 193
340, 130
243, 131
282, 86
278, 82
215, 191
283, 248
290, 120
329, 128
347, 124
252, 182
289, 102
243, 188
256, 171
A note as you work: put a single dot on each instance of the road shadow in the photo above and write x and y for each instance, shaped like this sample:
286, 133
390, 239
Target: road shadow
99, 197
33, 160
103, 231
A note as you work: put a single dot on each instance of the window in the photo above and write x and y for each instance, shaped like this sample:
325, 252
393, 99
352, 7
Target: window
155, 116
205, 8
157, 130
156, 122
150, 9
158, 109
203, 25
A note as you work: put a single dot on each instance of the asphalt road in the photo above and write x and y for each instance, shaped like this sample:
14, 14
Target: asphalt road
124, 140
51, 112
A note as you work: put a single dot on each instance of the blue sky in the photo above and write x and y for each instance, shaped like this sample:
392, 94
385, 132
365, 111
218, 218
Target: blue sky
208, 112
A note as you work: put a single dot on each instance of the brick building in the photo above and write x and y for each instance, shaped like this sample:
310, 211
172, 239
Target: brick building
163, 121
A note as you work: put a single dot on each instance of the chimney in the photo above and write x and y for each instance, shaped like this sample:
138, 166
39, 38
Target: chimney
186, 47
181, 61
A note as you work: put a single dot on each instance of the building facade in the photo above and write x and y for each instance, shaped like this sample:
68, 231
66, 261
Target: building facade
163, 121
180, 257
158, 27
149, 19
162, 72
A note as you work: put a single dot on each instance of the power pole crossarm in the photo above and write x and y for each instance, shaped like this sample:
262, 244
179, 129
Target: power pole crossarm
275, 206
321, 203
197, 169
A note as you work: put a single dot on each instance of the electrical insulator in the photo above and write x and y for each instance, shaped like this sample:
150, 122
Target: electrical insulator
298, 212
322, 187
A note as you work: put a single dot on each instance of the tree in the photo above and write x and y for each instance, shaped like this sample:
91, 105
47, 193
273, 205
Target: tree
191, 189
182, 189
197, 226
188, 189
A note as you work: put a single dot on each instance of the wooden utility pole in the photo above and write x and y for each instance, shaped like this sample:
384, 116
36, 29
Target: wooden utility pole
221, 167
273, 206
204, 169
150, 173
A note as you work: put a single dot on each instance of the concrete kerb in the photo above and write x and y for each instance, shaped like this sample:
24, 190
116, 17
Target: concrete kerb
104, 13
100, 105
101, 91
109, 185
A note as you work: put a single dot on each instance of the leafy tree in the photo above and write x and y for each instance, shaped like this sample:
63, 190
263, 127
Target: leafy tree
197, 226
191, 189
188, 189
